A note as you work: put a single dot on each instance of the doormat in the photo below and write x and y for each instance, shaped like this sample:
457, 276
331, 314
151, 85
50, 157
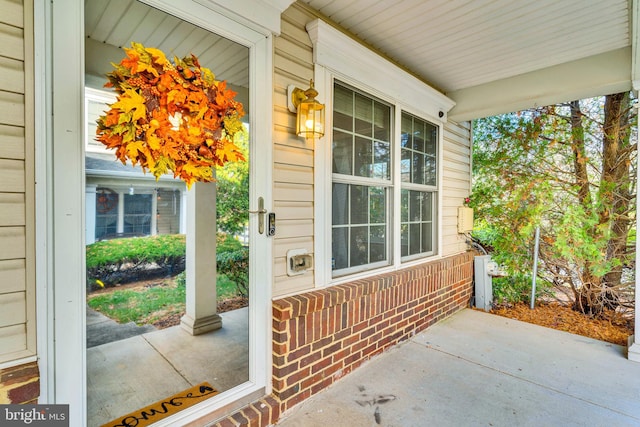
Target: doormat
165, 407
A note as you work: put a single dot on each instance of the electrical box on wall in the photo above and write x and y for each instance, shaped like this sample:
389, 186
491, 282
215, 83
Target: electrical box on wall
298, 262
465, 219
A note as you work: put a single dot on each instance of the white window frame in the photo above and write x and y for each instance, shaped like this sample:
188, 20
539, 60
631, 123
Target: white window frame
423, 188
338, 57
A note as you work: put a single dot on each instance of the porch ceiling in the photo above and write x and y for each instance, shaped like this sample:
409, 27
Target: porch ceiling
493, 56
490, 56
111, 24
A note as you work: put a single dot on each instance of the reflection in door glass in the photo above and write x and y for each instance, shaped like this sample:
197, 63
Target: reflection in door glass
147, 339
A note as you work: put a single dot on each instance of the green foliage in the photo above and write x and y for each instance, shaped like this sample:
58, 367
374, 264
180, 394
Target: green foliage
158, 249
225, 288
235, 265
516, 287
232, 197
140, 306
546, 168
227, 243
145, 306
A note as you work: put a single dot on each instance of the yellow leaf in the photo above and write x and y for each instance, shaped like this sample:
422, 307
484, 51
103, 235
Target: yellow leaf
153, 141
158, 56
133, 148
129, 101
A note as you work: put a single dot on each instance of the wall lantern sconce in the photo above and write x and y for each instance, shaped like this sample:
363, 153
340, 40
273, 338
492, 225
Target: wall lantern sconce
310, 113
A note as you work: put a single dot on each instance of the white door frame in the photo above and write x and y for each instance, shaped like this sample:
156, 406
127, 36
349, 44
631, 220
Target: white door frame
61, 275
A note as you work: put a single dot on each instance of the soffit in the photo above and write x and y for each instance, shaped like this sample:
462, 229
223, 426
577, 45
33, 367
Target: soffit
110, 25
455, 45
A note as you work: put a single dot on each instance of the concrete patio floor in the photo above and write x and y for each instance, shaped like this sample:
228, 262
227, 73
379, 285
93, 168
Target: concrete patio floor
128, 374
478, 369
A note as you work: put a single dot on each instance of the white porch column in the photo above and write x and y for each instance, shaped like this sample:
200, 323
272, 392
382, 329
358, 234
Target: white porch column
154, 213
201, 316
90, 214
633, 352
183, 211
120, 223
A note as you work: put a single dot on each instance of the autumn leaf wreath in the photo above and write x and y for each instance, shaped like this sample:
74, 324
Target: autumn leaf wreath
171, 116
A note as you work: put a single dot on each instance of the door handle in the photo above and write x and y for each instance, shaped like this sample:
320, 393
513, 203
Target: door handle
261, 211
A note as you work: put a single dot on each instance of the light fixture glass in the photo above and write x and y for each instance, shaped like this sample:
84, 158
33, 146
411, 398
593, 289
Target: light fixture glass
310, 112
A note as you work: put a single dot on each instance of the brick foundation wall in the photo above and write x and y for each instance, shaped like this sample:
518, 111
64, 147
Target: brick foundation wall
320, 336
20, 384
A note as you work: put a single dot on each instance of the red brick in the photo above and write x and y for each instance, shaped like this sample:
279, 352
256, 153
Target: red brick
322, 385
285, 370
226, 423
298, 376
274, 406
311, 381
291, 391
342, 334
375, 338
320, 365
290, 403
279, 335
278, 360
367, 332
252, 415
302, 351
310, 359
318, 345
333, 369
341, 354
18, 374
24, 393
278, 383
359, 327
359, 345
352, 358
240, 419
368, 350
327, 352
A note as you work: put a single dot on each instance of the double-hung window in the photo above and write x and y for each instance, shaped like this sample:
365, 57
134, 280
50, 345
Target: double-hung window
378, 186
419, 178
361, 181
373, 169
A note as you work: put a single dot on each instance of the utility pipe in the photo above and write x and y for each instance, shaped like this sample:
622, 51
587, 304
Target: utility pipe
535, 267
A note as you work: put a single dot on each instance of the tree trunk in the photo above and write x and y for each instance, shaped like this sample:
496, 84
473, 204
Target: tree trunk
615, 184
612, 203
589, 283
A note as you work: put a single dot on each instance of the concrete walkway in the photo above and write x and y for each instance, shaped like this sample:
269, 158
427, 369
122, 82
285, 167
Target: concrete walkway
478, 369
103, 330
128, 374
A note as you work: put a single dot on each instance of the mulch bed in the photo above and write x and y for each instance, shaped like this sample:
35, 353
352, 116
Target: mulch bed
612, 327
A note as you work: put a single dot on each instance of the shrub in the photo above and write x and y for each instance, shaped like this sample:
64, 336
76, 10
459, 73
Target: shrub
235, 265
125, 260
121, 261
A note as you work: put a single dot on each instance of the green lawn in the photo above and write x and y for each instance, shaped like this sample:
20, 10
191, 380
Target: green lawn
147, 305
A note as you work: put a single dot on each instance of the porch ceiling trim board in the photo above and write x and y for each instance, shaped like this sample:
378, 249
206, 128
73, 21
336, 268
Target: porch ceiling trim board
264, 13
584, 78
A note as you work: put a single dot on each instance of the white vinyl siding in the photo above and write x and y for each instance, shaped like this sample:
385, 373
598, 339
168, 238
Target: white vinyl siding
17, 294
456, 183
293, 156
295, 199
